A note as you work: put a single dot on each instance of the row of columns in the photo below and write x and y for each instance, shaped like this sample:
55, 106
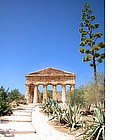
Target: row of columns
32, 97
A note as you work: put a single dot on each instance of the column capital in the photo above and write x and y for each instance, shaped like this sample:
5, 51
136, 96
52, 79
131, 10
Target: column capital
27, 84
35, 84
63, 85
72, 84
45, 85
54, 84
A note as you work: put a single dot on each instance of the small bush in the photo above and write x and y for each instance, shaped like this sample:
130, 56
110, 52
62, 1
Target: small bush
76, 97
16, 96
5, 107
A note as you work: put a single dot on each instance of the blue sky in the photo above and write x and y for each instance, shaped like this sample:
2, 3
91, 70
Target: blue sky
36, 34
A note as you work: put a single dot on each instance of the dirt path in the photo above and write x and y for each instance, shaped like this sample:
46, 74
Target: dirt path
27, 123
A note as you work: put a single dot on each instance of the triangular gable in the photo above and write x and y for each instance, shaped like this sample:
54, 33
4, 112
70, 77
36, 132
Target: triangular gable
50, 71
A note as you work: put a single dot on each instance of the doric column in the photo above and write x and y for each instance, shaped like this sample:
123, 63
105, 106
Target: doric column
44, 92
63, 93
32, 93
29, 98
35, 94
38, 92
54, 92
31, 101
27, 93
72, 87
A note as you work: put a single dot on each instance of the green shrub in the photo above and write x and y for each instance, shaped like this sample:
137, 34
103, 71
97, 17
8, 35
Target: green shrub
5, 107
15, 95
49, 94
76, 97
90, 94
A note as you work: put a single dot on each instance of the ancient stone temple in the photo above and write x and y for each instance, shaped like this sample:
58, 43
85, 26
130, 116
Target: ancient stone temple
45, 77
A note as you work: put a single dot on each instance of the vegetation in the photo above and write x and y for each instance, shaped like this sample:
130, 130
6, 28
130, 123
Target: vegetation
94, 92
70, 115
86, 100
48, 106
5, 107
89, 44
16, 96
95, 130
76, 97
90, 97
49, 95
9, 100
90, 94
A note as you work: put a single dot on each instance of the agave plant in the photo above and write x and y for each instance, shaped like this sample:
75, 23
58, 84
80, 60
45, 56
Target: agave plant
47, 106
53, 109
58, 113
95, 130
72, 116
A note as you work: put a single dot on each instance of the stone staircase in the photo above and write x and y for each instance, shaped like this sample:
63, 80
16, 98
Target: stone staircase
27, 123
19, 125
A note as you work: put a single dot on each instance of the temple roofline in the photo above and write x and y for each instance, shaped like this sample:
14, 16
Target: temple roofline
36, 73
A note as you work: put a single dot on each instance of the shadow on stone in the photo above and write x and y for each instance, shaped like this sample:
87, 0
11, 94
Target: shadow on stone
6, 133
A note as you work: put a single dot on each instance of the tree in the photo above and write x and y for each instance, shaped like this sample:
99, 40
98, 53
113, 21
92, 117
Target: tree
75, 97
15, 95
89, 45
91, 94
94, 92
5, 107
49, 94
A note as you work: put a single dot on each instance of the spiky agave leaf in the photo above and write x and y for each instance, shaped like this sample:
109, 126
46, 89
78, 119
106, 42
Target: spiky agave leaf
97, 128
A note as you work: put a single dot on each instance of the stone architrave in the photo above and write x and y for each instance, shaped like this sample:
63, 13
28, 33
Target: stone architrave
48, 76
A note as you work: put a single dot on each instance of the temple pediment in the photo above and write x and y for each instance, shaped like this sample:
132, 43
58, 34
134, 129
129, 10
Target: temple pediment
50, 72
45, 77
